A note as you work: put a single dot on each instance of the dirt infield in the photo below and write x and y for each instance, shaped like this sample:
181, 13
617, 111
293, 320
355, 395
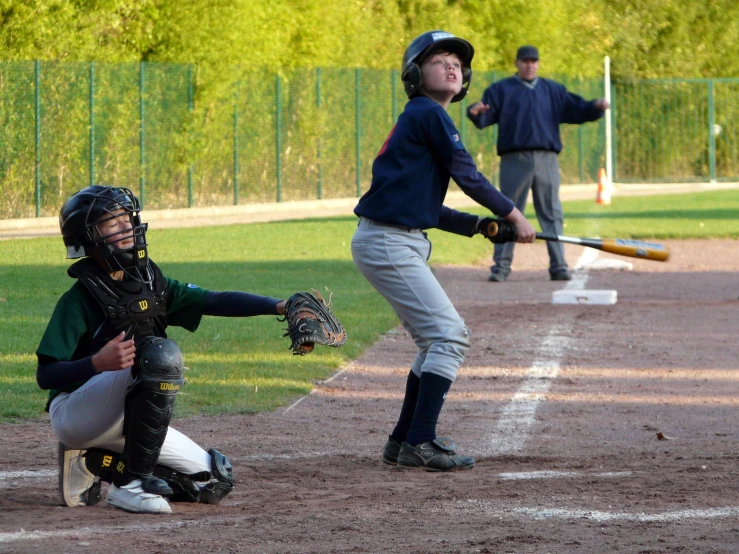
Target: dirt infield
595, 429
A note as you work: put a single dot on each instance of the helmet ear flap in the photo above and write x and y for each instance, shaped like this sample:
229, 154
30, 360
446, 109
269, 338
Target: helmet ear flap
466, 78
411, 78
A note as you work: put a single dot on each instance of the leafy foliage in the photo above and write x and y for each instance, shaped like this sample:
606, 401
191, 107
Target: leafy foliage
645, 38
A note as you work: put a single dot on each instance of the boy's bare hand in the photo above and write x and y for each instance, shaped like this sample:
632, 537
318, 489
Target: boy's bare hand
524, 229
116, 355
478, 109
526, 232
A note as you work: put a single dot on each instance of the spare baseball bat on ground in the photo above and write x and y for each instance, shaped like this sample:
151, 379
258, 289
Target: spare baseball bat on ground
624, 247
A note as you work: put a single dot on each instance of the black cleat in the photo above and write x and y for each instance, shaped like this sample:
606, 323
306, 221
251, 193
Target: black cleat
391, 451
497, 276
437, 455
562, 275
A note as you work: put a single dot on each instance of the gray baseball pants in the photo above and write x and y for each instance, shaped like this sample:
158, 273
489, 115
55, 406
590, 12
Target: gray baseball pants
538, 171
393, 259
92, 416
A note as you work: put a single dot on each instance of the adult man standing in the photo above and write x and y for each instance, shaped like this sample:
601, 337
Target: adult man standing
528, 111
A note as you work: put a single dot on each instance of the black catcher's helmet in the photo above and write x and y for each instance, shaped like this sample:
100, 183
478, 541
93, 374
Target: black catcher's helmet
433, 41
85, 209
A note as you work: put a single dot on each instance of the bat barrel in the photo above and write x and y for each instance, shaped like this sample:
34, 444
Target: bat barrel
623, 247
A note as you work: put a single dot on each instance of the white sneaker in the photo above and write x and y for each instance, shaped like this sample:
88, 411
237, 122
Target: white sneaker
132, 498
77, 486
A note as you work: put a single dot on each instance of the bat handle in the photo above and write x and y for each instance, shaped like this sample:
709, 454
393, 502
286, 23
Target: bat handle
547, 236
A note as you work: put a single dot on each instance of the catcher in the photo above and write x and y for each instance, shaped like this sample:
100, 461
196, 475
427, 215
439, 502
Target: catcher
113, 375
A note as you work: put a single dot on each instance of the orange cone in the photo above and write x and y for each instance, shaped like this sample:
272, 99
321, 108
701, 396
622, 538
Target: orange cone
604, 191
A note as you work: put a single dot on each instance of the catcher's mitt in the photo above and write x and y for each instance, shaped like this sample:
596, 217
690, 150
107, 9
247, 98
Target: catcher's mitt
311, 322
497, 231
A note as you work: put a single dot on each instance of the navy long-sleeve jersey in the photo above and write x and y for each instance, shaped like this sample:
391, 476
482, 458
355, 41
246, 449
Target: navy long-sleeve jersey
529, 114
411, 173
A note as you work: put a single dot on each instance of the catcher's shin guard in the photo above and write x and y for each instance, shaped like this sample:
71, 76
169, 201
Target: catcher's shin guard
148, 411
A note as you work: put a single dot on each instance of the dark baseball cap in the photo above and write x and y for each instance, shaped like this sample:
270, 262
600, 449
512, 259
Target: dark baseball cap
527, 53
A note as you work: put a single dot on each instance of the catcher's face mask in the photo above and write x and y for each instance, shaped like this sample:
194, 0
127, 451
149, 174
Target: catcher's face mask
104, 222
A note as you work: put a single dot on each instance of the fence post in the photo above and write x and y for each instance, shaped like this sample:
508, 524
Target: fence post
394, 88
190, 109
37, 95
609, 147
711, 134
318, 140
92, 123
142, 155
236, 143
580, 153
357, 125
278, 138
614, 133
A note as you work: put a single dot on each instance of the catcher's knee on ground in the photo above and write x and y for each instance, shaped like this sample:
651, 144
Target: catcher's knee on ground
205, 487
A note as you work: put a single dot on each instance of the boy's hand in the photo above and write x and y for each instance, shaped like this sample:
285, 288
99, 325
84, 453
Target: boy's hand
116, 355
478, 109
526, 232
524, 229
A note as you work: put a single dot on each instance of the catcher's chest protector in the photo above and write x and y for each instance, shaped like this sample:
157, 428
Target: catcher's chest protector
126, 304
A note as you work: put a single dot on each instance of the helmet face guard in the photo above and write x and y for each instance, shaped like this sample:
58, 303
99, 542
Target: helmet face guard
81, 220
427, 43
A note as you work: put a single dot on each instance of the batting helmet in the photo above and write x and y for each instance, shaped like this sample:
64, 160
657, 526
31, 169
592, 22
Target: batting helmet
79, 219
425, 44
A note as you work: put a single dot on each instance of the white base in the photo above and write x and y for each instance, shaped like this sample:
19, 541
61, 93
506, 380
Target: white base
608, 264
584, 297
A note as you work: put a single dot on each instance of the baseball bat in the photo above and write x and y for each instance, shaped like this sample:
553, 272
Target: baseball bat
624, 247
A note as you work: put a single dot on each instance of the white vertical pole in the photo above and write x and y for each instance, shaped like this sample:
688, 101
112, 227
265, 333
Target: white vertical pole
609, 156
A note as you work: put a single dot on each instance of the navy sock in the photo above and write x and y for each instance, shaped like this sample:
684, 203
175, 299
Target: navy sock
409, 406
431, 395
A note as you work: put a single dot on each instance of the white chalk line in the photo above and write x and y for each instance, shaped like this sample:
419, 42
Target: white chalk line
599, 515
83, 532
35, 474
640, 517
474, 505
528, 475
519, 414
334, 376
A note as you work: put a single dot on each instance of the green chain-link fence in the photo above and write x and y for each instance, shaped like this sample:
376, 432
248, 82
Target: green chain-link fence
677, 130
183, 136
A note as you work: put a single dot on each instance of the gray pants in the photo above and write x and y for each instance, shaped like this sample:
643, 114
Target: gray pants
538, 171
92, 416
393, 260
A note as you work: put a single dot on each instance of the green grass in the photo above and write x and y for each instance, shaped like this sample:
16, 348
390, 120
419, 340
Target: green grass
243, 365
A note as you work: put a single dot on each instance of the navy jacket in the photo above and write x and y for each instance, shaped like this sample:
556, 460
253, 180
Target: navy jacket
411, 173
529, 114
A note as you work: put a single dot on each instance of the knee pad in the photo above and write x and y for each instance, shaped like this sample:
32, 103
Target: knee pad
158, 374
